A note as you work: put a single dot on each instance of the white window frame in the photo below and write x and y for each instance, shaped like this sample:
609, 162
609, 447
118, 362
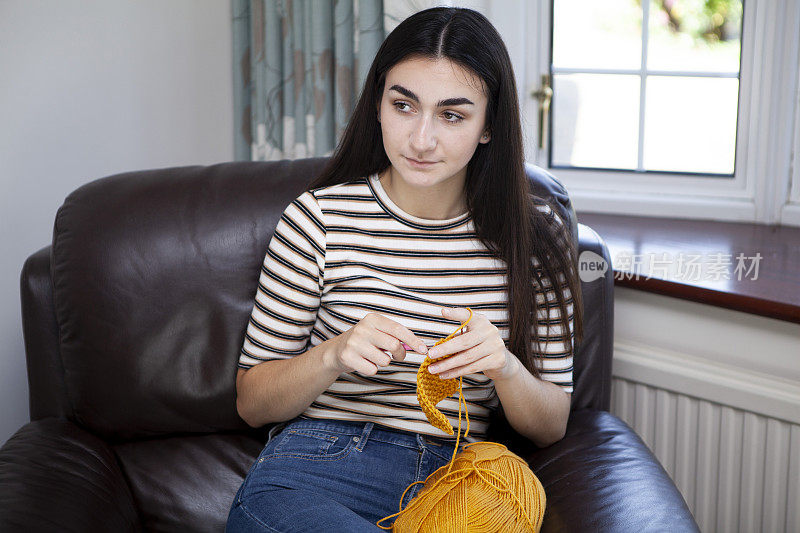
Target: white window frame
765, 186
790, 212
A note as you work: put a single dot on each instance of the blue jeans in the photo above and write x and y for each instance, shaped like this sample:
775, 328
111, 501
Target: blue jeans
333, 475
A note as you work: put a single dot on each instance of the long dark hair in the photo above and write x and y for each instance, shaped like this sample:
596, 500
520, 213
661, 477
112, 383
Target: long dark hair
498, 191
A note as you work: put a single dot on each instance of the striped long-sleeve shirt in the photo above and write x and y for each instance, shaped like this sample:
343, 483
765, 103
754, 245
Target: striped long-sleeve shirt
342, 251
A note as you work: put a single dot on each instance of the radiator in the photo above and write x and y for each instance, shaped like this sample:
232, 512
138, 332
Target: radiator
738, 470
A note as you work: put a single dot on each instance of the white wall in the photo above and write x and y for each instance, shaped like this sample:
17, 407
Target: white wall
90, 88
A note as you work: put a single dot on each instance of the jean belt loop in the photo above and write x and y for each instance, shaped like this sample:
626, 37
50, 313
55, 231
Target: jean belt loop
362, 440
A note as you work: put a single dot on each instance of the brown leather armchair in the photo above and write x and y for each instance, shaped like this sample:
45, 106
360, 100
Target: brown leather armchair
133, 320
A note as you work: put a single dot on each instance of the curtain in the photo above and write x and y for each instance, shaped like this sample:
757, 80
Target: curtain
299, 66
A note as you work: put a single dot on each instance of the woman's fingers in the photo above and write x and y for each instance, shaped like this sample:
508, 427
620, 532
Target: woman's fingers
459, 343
400, 332
389, 344
462, 359
377, 358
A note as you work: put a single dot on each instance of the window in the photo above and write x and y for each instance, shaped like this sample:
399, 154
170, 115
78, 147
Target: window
669, 87
752, 184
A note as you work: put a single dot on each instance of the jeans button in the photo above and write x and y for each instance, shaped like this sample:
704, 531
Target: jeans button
355, 439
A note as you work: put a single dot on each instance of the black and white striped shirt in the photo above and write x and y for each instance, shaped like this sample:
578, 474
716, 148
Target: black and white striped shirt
342, 251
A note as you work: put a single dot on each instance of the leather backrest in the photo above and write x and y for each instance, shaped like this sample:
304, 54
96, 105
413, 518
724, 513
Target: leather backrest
154, 275
592, 362
153, 278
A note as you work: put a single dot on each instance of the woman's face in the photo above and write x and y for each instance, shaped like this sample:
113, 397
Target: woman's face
432, 111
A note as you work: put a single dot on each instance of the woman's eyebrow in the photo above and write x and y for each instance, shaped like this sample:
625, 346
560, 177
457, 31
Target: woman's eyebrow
442, 103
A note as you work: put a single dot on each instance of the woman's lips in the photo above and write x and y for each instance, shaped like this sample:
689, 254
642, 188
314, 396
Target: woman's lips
417, 164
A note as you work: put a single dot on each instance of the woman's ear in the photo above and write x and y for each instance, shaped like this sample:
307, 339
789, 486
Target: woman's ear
486, 137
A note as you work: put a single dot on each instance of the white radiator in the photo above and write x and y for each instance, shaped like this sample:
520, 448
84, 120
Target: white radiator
737, 468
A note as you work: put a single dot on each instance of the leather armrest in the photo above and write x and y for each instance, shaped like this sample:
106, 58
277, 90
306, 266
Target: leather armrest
602, 477
54, 476
48, 392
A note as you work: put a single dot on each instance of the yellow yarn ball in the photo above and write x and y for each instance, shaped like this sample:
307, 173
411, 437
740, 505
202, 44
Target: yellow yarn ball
486, 488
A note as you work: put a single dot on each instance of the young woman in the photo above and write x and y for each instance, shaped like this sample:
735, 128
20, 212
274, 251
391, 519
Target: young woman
423, 211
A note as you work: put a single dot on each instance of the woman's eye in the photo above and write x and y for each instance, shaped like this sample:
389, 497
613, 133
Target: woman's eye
456, 118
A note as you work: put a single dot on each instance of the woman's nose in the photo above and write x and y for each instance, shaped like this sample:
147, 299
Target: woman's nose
423, 138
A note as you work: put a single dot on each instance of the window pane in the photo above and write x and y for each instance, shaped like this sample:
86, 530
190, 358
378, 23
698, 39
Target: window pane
595, 120
690, 124
694, 35
597, 34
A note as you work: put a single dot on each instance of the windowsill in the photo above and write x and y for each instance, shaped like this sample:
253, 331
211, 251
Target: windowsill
774, 292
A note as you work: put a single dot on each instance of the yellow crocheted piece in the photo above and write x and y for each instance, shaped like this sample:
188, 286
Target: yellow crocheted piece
431, 389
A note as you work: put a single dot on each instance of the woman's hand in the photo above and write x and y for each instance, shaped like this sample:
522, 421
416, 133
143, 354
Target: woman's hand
361, 348
479, 349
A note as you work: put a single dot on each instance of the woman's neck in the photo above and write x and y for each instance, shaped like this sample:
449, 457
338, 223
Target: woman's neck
441, 201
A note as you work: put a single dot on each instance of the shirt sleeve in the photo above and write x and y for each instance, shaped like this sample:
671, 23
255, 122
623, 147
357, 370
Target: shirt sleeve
554, 343
289, 286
